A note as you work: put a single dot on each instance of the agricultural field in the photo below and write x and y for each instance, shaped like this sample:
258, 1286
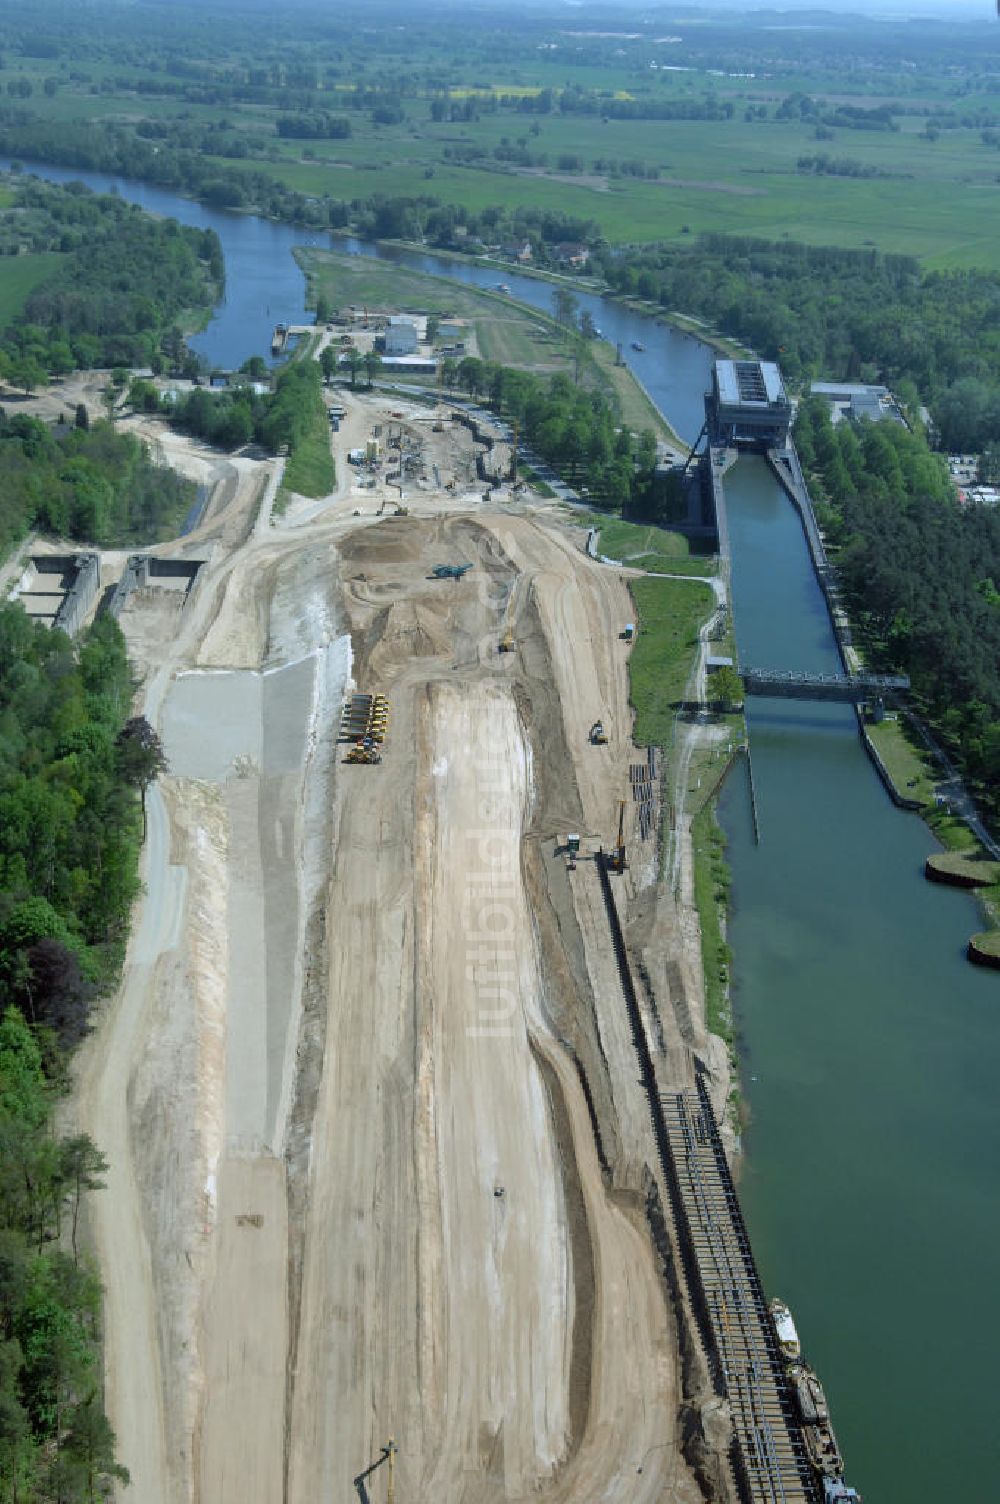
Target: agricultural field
718, 176
500, 122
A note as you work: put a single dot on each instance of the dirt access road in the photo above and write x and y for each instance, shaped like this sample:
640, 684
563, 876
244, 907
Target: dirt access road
380, 1164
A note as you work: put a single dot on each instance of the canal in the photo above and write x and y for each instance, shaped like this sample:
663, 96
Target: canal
869, 1046
869, 1049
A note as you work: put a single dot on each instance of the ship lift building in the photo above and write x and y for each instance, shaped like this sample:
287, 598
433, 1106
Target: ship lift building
748, 405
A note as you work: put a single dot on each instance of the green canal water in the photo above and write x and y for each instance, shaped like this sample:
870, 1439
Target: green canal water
871, 1052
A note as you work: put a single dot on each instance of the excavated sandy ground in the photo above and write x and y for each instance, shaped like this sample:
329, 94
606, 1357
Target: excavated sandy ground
380, 1157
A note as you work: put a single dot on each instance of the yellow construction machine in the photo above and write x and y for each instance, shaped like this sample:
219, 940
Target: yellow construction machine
507, 640
617, 862
598, 735
365, 752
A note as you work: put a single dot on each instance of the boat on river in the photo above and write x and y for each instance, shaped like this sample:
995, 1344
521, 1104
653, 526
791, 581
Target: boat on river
784, 1326
814, 1415
638, 345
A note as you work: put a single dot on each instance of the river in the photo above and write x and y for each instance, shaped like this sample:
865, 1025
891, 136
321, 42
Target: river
869, 1045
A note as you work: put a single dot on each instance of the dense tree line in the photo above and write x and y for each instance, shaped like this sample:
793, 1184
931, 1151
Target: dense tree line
919, 573
233, 417
122, 281
314, 125
574, 428
855, 315
92, 485
823, 165
69, 836
574, 100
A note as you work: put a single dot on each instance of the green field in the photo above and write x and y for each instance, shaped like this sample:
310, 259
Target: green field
937, 200
655, 549
945, 211
908, 765
504, 331
669, 614
19, 277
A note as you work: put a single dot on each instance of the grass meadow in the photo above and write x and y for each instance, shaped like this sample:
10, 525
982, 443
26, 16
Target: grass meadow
939, 202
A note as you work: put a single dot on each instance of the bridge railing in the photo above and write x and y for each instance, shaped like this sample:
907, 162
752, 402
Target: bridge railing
849, 688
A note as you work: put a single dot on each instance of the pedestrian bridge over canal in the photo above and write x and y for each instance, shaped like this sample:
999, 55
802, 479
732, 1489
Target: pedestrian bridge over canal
844, 689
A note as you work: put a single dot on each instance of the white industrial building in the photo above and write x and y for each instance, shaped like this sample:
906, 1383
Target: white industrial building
400, 336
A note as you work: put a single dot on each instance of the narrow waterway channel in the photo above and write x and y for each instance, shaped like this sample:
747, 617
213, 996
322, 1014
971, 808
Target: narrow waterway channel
869, 1045
869, 1049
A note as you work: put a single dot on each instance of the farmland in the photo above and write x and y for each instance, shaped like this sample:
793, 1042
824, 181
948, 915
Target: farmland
541, 120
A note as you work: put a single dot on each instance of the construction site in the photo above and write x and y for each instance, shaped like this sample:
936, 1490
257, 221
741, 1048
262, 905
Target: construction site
393, 1210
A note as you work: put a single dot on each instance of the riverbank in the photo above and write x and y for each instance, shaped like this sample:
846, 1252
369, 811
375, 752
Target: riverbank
503, 329
685, 323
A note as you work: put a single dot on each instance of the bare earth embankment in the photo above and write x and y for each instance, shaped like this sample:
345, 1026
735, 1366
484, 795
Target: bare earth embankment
381, 1164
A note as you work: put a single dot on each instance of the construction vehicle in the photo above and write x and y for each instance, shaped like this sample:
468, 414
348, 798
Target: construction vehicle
507, 640
629, 633
365, 752
388, 1455
365, 722
598, 735
449, 571
617, 861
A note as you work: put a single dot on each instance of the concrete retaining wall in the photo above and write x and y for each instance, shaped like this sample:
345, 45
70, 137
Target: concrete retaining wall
84, 573
144, 569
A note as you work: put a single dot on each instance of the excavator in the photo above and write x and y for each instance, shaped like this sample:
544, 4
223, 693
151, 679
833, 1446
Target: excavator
597, 735
388, 1455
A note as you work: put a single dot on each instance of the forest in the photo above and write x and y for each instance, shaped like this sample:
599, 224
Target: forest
577, 431
282, 419
920, 576
845, 315
91, 485
70, 828
123, 283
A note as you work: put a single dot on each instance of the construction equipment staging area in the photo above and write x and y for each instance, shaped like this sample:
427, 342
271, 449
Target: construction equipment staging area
365, 723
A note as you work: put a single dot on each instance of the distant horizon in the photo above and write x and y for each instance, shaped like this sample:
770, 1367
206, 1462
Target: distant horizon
922, 10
